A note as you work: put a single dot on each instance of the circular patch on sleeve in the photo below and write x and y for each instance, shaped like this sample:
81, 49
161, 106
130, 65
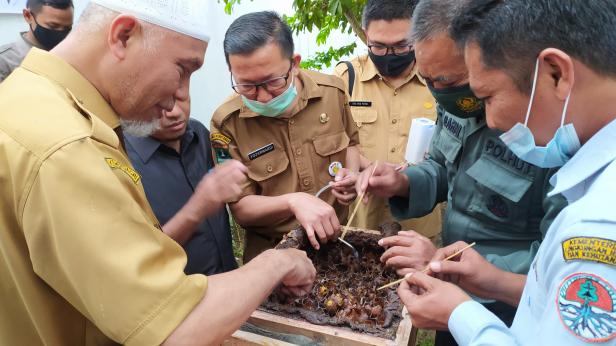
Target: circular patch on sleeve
586, 306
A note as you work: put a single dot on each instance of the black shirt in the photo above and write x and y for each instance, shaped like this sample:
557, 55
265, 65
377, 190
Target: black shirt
170, 179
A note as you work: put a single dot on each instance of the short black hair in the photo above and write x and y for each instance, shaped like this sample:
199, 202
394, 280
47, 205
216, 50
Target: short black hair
387, 10
512, 33
255, 30
35, 6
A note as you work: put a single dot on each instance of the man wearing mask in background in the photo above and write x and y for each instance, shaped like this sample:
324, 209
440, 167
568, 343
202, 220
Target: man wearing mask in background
49, 21
544, 68
292, 128
188, 201
385, 96
493, 197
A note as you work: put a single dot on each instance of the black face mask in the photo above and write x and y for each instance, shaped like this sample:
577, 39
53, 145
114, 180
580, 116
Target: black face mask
459, 101
48, 38
391, 65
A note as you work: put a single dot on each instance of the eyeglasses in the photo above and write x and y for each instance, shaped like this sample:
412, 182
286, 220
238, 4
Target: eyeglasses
271, 85
381, 50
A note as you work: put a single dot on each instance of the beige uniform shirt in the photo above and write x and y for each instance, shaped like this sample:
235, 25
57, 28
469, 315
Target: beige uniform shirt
383, 115
12, 54
82, 258
286, 155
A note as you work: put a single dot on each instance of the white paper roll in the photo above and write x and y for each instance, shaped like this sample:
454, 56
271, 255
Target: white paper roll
420, 136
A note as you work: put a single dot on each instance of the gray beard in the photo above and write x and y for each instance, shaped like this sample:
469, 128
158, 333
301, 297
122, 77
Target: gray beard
139, 128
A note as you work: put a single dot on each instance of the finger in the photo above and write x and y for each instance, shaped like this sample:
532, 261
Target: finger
405, 271
406, 294
320, 232
333, 218
311, 237
421, 280
397, 240
400, 262
328, 228
449, 268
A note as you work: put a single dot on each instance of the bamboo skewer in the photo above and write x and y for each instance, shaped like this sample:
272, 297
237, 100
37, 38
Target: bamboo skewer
426, 269
359, 202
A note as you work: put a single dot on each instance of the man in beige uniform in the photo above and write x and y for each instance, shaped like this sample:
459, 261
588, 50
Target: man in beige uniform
387, 94
291, 128
82, 258
49, 21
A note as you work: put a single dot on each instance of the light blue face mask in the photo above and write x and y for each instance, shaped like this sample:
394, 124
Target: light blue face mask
556, 153
275, 106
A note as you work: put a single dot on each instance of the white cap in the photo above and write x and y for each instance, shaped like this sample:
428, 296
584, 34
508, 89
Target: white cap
187, 17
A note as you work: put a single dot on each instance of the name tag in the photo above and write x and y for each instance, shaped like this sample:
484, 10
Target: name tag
261, 151
360, 103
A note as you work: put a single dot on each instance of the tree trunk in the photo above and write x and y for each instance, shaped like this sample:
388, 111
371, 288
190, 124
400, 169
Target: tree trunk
355, 24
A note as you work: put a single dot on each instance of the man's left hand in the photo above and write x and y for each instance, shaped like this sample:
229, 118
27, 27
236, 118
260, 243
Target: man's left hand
343, 187
430, 301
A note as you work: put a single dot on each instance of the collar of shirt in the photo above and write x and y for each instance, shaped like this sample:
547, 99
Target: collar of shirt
54, 68
145, 147
597, 153
369, 71
24, 43
309, 91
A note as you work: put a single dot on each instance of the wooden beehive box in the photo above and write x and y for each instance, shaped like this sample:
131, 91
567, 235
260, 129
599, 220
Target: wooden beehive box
266, 327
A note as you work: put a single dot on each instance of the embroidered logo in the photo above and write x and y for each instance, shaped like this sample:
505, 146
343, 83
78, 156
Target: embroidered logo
220, 144
132, 174
590, 249
497, 206
586, 305
469, 104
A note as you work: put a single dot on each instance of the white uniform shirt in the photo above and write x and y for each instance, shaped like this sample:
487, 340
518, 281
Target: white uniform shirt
570, 295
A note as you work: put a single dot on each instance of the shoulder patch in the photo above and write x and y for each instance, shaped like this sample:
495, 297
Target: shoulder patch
326, 79
590, 249
586, 307
220, 145
132, 174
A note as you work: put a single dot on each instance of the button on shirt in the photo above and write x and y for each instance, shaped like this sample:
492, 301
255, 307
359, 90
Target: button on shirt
384, 115
170, 179
82, 258
288, 155
570, 296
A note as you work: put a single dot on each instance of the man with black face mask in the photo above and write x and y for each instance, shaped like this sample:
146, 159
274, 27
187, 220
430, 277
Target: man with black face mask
50, 21
386, 94
494, 198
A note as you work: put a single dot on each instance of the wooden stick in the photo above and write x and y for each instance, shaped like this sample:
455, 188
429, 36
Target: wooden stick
425, 270
359, 202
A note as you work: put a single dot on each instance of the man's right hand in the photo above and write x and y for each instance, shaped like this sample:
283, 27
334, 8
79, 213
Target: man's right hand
299, 279
317, 217
223, 184
469, 270
386, 182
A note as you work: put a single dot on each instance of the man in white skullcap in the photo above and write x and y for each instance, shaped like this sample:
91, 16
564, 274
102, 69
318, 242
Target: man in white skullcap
82, 258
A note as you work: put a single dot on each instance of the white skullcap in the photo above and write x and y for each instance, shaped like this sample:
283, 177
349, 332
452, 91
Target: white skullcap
184, 16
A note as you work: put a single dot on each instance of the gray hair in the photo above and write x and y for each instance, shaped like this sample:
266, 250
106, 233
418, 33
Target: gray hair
434, 17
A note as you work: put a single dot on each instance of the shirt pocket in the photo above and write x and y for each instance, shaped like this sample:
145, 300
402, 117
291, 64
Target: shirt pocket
498, 200
329, 148
448, 145
263, 169
365, 118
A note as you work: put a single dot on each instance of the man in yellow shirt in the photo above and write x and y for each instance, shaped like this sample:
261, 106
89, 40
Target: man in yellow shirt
82, 258
386, 94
